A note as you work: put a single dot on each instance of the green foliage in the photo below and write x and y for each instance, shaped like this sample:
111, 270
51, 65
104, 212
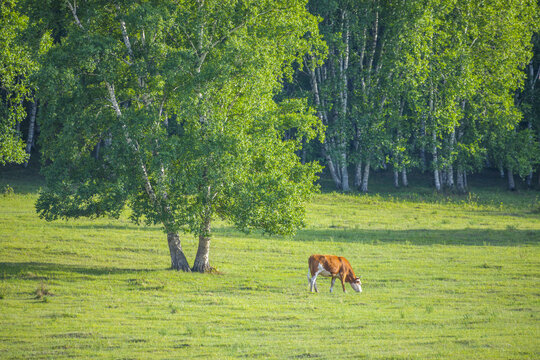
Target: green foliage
426, 77
16, 66
171, 109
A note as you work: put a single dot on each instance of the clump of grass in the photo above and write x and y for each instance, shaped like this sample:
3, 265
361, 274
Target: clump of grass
214, 271
536, 208
7, 191
145, 284
42, 292
487, 266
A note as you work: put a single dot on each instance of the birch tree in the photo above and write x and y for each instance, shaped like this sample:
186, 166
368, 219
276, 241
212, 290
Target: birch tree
474, 53
329, 83
16, 67
179, 101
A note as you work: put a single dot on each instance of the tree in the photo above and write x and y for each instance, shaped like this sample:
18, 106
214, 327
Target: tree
171, 109
330, 86
529, 103
472, 55
16, 66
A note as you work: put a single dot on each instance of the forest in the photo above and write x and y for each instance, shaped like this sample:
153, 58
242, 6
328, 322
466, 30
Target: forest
442, 87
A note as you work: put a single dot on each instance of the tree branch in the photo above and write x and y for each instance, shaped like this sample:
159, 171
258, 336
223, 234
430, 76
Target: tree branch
73, 8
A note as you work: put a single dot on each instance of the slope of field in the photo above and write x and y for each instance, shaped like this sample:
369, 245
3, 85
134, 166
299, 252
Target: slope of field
444, 277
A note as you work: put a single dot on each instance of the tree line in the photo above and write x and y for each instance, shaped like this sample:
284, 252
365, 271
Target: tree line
191, 111
448, 87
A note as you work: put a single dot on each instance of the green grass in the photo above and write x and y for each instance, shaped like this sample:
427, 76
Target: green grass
445, 277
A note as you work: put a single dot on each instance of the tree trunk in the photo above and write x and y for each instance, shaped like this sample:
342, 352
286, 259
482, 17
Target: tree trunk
501, 171
529, 179
344, 65
450, 176
31, 127
511, 183
442, 176
202, 259
460, 181
365, 178
404, 179
333, 172
436, 178
423, 160
178, 259
98, 147
358, 175
396, 178
344, 173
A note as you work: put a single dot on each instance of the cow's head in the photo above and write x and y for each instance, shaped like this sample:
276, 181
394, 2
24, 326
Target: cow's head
357, 285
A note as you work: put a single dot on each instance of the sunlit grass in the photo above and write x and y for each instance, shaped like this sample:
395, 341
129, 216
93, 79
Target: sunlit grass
445, 276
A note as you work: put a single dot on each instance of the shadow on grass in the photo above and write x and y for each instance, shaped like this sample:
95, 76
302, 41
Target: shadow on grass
72, 224
42, 271
423, 237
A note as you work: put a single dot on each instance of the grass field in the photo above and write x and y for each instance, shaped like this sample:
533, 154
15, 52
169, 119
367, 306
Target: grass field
444, 277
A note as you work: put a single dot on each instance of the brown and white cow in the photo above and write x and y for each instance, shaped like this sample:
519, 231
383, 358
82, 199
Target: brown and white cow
332, 266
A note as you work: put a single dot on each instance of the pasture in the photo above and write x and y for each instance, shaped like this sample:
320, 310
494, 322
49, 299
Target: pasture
444, 276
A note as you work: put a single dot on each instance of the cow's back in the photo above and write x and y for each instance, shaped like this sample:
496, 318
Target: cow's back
330, 263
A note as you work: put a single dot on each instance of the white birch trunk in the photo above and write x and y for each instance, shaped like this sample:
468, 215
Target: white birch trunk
530, 176
358, 175
365, 178
436, 177
450, 176
344, 66
202, 259
511, 183
460, 181
178, 259
396, 178
31, 127
315, 80
450, 170
331, 167
344, 173
423, 160
404, 179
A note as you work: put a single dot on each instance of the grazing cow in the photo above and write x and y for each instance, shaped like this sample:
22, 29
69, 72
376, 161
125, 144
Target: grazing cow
332, 266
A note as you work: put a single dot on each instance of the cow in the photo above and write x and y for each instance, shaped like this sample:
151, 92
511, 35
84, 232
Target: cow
332, 266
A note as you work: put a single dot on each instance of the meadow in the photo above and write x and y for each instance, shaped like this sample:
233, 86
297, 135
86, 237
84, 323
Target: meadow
445, 276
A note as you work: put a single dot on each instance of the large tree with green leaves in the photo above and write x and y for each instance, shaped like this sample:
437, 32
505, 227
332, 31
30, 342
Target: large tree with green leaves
170, 108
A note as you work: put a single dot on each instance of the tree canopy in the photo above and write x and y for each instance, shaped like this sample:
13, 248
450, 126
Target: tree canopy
170, 108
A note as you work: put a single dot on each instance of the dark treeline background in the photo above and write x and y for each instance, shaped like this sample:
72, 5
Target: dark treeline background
448, 88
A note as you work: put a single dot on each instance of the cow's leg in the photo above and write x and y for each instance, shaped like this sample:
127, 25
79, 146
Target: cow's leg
332, 284
311, 280
314, 280
343, 283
